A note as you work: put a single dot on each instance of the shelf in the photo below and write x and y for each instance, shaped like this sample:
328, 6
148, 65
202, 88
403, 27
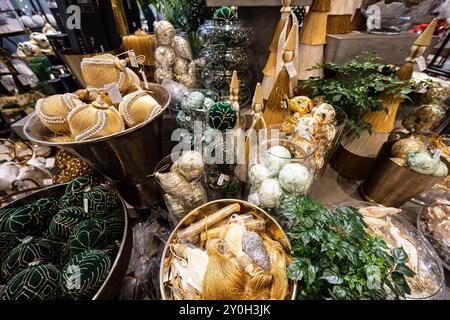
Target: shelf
15, 33
254, 3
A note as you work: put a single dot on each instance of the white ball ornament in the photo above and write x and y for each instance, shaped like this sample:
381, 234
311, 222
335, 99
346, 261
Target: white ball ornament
306, 124
295, 178
276, 158
253, 198
324, 113
191, 165
270, 193
258, 173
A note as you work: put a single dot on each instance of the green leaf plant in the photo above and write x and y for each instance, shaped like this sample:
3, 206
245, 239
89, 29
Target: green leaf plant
334, 257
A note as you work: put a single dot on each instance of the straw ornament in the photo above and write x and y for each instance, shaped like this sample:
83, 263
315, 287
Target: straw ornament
181, 66
104, 69
138, 107
53, 111
94, 120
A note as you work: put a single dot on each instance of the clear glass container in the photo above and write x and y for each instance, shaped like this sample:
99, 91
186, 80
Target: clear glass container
219, 78
184, 197
442, 249
232, 34
429, 266
282, 168
237, 58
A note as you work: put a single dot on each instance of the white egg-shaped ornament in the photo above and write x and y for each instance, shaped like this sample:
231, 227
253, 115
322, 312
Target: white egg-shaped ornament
257, 174
295, 178
276, 158
441, 171
307, 124
327, 132
253, 198
324, 113
422, 162
270, 193
191, 165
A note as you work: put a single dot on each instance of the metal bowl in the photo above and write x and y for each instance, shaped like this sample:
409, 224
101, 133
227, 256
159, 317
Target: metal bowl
272, 227
113, 281
126, 159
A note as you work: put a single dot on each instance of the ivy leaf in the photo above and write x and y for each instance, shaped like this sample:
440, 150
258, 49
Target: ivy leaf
403, 269
330, 276
400, 256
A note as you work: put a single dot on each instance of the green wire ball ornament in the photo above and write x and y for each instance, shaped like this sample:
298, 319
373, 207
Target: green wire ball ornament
224, 15
222, 116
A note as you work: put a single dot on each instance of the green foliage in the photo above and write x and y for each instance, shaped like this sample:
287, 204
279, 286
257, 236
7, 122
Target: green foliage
356, 88
187, 16
335, 258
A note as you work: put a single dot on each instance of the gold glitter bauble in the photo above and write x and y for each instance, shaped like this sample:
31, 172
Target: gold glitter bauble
402, 147
301, 104
399, 161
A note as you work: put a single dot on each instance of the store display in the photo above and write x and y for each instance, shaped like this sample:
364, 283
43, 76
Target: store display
251, 265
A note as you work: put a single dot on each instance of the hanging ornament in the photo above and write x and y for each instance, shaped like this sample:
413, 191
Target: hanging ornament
222, 116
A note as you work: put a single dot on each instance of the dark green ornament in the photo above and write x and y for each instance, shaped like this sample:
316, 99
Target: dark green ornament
65, 221
4, 214
83, 275
67, 202
76, 188
88, 235
224, 15
8, 241
63, 255
112, 251
40, 282
100, 201
116, 225
222, 116
28, 220
31, 250
48, 204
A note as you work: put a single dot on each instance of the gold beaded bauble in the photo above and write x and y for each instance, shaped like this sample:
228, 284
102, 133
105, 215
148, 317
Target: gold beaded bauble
403, 147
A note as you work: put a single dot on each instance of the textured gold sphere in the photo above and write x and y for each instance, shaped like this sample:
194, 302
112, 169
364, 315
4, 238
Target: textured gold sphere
403, 147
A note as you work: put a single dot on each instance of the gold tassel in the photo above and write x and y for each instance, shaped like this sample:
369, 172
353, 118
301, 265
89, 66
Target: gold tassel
310, 56
314, 30
224, 280
258, 287
143, 45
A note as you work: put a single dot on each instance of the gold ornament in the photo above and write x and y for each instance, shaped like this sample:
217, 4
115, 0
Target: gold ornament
94, 120
191, 165
324, 113
164, 56
403, 147
182, 47
53, 111
181, 66
105, 69
301, 104
138, 107
172, 182
161, 74
399, 161
164, 32
187, 80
